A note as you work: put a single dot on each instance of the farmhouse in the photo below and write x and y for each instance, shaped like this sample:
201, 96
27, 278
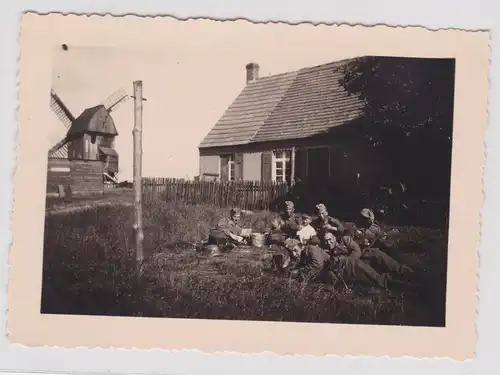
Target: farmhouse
284, 127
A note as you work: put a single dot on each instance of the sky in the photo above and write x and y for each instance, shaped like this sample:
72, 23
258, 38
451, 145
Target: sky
188, 82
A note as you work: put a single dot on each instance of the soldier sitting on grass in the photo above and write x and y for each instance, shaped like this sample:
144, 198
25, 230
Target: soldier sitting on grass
325, 223
286, 226
369, 232
306, 232
228, 233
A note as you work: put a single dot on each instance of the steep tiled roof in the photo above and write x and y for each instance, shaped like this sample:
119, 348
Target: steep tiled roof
292, 105
247, 114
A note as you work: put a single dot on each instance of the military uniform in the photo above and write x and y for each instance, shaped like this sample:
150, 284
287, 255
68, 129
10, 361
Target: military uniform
313, 265
348, 263
383, 262
372, 232
290, 224
220, 235
370, 228
322, 225
378, 257
313, 257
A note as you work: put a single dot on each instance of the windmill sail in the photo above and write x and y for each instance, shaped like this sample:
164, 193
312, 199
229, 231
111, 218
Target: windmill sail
60, 149
61, 110
115, 100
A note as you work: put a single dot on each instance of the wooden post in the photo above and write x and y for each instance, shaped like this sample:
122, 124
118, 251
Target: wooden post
137, 133
292, 167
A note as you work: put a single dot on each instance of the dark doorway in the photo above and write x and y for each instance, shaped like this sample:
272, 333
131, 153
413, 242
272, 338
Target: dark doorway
318, 165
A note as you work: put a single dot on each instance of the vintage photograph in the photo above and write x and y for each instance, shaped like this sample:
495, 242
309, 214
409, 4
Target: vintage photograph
321, 195
252, 182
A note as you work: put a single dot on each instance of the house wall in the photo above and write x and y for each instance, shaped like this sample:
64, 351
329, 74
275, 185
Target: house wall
91, 148
85, 149
252, 166
349, 156
209, 164
106, 141
75, 149
80, 177
260, 147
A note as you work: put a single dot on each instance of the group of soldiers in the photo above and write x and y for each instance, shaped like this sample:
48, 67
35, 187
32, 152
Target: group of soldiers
321, 248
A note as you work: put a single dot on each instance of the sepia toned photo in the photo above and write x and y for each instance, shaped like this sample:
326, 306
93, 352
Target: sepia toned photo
322, 196
224, 182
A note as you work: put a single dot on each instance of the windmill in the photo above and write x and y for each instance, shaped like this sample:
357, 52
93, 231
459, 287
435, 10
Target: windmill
100, 114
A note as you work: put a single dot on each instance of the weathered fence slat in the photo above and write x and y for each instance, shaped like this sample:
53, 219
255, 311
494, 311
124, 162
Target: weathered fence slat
249, 195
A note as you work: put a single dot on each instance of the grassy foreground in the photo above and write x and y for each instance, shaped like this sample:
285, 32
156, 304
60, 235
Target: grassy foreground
89, 266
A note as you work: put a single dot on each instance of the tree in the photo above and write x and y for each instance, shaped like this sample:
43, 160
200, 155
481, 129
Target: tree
408, 116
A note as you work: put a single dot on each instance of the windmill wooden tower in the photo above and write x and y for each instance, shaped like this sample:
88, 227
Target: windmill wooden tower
91, 135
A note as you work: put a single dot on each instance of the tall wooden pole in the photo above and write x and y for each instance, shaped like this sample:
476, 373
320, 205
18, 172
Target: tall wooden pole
137, 133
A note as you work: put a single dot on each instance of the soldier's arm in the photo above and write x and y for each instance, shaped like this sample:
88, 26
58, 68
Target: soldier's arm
337, 223
302, 259
354, 228
353, 247
316, 224
376, 230
295, 224
334, 224
281, 221
223, 225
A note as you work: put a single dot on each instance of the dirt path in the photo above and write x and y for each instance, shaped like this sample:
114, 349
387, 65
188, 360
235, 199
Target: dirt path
75, 204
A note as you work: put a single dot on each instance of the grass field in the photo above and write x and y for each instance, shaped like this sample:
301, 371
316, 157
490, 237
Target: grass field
89, 269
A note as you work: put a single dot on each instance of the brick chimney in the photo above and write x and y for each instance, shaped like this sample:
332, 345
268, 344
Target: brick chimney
252, 72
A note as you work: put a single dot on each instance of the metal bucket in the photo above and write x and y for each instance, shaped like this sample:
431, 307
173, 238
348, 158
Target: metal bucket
258, 239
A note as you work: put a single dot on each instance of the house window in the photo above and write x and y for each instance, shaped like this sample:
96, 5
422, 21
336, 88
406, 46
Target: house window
281, 166
231, 167
227, 167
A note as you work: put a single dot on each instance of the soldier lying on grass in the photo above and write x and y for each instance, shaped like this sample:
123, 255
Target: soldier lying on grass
313, 263
347, 264
374, 257
341, 259
303, 262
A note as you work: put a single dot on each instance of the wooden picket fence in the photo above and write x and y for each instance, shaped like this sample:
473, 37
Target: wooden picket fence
249, 195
